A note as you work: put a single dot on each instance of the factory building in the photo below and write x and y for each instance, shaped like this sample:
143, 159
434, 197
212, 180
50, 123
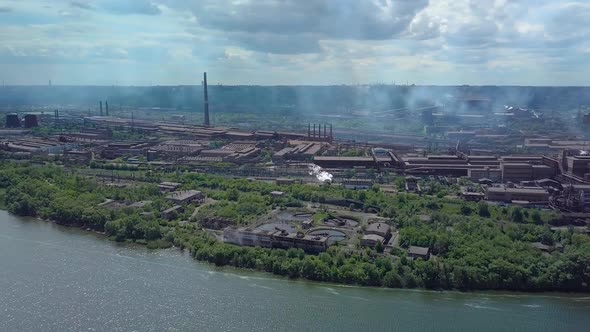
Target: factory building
31, 121
78, 157
578, 165
178, 148
494, 174
12, 121
301, 151
357, 184
514, 194
236, 152
275, 239
33, 145
344, 162
581, 190
116, 150
516, 172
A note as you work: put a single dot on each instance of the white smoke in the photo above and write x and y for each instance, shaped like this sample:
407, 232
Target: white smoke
316, 171
583, 152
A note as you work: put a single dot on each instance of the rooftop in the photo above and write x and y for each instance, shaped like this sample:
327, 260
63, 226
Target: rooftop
183, 195
420, 251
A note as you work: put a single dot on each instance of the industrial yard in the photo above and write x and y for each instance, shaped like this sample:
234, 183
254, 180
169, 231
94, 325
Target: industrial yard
455, 161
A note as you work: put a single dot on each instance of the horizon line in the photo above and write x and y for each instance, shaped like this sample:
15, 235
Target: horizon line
293, 85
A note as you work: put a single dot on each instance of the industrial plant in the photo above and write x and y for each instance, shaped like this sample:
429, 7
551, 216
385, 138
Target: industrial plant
467, 142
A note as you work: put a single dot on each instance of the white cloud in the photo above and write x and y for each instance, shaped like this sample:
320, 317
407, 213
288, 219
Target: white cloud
297, 42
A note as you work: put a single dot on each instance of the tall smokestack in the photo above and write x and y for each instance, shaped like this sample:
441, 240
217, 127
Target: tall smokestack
309, 130
206, 101
319, 130
331, 135
100, 107
106, 106
314, 130
325, 125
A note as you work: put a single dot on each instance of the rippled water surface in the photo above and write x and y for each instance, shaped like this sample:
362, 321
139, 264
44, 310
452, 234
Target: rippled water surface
60, 279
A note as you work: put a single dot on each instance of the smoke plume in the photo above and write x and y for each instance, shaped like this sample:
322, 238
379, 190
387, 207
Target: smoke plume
316, 171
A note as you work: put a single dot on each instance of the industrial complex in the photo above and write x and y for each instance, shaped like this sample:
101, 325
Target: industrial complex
492, 164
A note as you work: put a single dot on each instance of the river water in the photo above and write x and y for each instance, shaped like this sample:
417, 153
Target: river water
54, 278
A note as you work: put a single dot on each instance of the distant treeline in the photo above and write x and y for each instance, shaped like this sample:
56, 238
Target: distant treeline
294, 98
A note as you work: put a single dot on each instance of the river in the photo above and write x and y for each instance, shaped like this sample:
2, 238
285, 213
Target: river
54, 278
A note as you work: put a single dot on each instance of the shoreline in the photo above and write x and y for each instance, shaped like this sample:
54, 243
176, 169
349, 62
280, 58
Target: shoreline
491, 292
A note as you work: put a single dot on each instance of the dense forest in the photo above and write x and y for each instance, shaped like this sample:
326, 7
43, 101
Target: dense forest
476, 246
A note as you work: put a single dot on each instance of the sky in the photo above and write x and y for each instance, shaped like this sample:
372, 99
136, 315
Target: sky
293, 42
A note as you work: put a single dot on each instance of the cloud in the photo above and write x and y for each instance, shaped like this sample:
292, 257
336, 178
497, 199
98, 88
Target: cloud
135, 7
275, 43
293, 26
301, 41
81, 5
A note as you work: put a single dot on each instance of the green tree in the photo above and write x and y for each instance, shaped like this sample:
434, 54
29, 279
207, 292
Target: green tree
379, 247
517, 215
483, 209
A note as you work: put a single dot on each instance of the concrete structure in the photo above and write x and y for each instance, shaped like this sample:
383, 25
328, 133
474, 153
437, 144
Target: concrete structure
419, 252
274, 239
469, 194
412, 184
371, 240
169, 186
185, 197
547, 248
357, 183
78, 157
379, 228
172, 212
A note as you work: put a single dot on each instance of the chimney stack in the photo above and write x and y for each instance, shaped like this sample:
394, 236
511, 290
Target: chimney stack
331, 135
100, 102
309, 130
106, 105
325, 125
314, 130
206, 100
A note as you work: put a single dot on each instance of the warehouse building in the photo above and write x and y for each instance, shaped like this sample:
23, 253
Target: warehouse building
511, 194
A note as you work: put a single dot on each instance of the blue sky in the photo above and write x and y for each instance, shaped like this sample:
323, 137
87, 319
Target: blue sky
171, 42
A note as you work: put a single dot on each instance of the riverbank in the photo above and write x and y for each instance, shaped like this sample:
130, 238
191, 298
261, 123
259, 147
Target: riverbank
234, 269
82, 282
471, 252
